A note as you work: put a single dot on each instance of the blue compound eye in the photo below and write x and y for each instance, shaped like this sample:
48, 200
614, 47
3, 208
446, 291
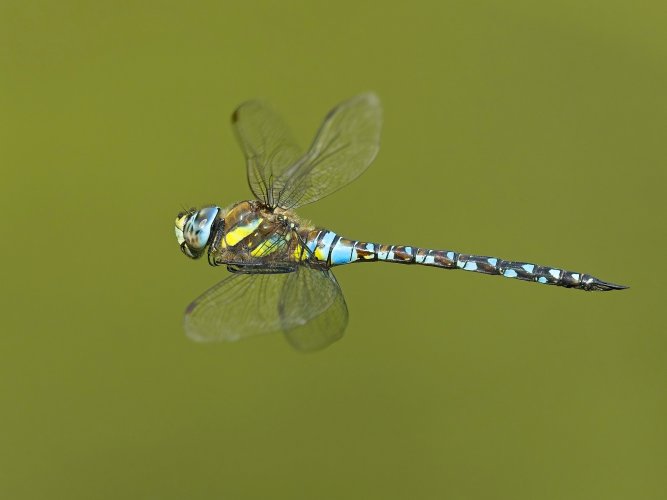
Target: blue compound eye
193, 230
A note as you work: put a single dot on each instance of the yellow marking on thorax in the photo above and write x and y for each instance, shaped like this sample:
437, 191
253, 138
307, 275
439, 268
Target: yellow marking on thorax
266, 247
241, 232
300, 253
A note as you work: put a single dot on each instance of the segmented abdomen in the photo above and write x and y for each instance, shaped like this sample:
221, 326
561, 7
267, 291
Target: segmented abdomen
327, 246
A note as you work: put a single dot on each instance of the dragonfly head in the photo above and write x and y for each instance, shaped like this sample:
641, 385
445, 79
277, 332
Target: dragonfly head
194, 229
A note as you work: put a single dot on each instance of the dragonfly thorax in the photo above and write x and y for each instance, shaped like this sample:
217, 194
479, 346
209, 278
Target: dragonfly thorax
194, 229
247, 223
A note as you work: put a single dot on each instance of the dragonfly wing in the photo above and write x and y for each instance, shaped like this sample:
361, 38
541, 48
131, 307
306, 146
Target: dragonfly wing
240, 306
306, 304
267, 145
345, 145
312, 309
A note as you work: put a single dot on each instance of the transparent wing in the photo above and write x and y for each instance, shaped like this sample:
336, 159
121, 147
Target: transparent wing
312, 310
307, 305
242, 305
345, 145
267, 145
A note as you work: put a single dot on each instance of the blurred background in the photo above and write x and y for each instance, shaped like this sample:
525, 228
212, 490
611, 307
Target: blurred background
527, 131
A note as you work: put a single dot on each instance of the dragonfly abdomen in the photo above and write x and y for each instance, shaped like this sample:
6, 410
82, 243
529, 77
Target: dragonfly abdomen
327, 246
526, 271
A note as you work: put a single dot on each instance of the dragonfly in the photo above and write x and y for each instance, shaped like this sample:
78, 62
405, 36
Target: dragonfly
280, 265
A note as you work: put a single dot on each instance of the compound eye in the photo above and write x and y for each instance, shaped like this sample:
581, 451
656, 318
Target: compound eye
194, 229
198, 228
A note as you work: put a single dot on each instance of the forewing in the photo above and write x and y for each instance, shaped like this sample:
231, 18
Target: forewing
242, 305
307, 305
267, 145
312, 309
344, 147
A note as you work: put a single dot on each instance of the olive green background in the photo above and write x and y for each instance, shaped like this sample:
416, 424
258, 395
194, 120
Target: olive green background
530, 131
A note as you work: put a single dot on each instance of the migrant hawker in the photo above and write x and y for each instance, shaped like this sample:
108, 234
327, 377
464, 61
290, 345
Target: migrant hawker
281, 279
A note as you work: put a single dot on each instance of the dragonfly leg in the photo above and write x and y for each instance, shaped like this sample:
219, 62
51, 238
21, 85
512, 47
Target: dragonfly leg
260, 268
